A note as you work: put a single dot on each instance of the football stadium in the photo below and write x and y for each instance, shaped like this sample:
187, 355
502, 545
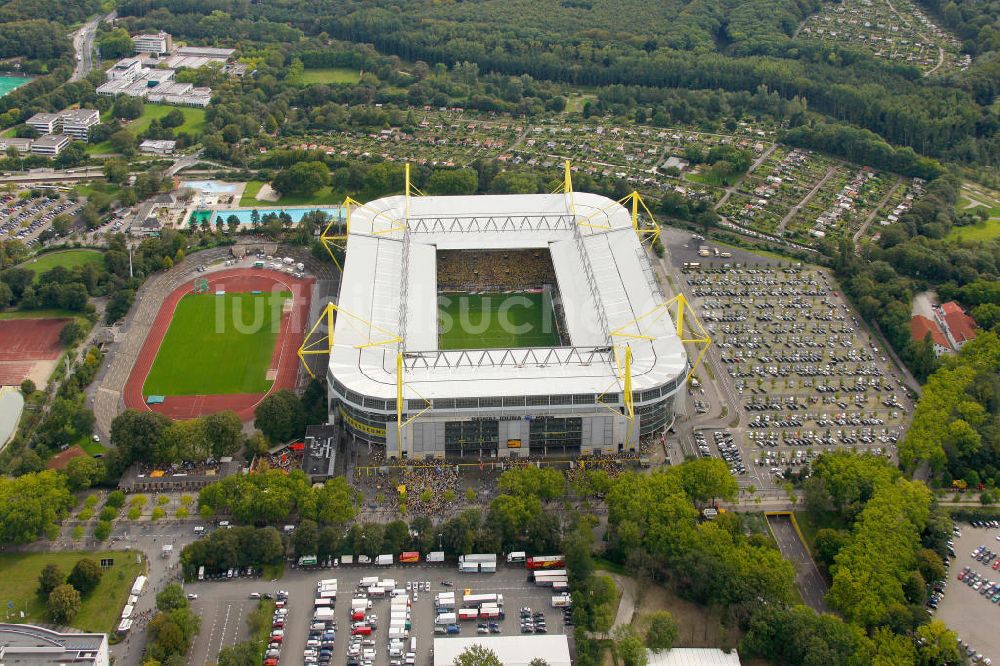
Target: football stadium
501, 326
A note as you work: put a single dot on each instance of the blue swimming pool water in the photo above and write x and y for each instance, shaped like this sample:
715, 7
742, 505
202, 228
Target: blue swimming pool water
8, 83
211, 186
244, 214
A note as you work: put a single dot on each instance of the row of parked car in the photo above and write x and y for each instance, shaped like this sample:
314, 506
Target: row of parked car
272, 656
41, 211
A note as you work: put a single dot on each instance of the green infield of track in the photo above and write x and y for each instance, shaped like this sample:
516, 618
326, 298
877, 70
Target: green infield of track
496, 321
217, 345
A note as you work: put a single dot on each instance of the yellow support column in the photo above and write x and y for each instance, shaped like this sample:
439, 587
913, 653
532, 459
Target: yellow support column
681, 303
629, 403
635, 211
568, 180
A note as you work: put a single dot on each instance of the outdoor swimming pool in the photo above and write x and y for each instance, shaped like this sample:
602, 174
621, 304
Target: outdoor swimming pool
211, 186
245, 215
8, 83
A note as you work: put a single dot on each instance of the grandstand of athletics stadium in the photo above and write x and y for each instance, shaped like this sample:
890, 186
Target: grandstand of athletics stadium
501, 326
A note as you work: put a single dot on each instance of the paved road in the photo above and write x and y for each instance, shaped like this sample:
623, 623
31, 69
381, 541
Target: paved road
811, 585
83, 44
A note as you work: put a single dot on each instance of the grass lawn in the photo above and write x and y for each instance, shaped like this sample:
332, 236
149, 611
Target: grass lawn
340, 75
984, 231
194, 122
91, 447
218, 345
100, 610
38, 314
323, 197
65, 258
492, 321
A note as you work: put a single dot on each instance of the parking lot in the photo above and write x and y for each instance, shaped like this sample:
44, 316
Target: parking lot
25, 219
969, 613
224, 605
800, 372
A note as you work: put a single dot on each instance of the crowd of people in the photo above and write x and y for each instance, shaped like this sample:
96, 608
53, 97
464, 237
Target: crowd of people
465, 270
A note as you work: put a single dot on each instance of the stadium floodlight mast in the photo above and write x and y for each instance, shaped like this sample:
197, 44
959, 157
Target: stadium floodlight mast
688, 329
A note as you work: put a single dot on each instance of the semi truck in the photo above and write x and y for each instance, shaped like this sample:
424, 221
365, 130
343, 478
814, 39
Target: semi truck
446, 618
546, 562
518, 556
468, 567
435, 557
383, 561
480, 599
479, 557
561, 600
409, 557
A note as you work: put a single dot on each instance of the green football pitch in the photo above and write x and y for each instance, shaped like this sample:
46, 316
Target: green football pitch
218, 345
494, 321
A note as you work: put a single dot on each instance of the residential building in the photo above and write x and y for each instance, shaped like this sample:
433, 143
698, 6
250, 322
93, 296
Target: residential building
157, 44
958, 326
31, 645
22, 145
45, 123
920, 326
77, 122
157, 146
50, 144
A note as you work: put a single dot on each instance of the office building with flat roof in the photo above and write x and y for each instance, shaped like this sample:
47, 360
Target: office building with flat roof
31, 645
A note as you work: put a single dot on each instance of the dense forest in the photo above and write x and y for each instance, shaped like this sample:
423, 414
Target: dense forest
697, 45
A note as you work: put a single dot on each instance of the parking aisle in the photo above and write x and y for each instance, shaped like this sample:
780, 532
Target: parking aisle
963, 608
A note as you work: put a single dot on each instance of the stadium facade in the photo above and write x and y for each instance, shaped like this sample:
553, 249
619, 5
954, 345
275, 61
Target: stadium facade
392, 380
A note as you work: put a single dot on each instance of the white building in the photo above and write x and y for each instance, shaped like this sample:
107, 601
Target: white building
29, 645
77, 122
157, 147
511, 650
692, 657
22, 145
44, 123
157, 44
126, 68
575, 393
153, 85
50, 144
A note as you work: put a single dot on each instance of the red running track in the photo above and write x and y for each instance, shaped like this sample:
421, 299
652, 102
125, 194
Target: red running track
285, 358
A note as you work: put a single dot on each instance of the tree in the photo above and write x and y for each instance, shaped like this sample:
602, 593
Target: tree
127, 108
82, 472
70, 333
85, 576
706, 479
477, 655
27, 387
50, 578
280, 416
306, 538
63, 604
224, 432
936, 644
171, 598
32, 504
103, 530
302, 178
123, 142
628, 647
662, 631
334, 502
115, 170
453, 181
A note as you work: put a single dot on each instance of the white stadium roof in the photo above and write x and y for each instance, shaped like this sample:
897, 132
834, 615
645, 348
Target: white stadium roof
511, 650
389, 284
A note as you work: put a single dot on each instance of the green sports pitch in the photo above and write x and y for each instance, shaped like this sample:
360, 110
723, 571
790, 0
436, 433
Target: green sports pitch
217, 345
496, 321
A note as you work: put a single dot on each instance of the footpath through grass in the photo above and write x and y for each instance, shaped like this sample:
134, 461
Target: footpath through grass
218, 345
99, 611
65, 258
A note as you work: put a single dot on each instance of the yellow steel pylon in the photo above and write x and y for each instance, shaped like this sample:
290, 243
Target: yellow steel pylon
651, 233
694, 333
324, 344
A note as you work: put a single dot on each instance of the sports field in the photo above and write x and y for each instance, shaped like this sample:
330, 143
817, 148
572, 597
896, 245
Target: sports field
217, 345
492, 321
